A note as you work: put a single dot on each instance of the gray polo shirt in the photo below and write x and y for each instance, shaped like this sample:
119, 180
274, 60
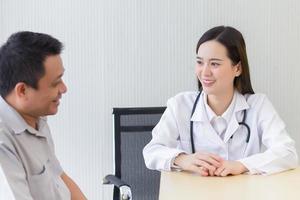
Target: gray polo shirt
27, 158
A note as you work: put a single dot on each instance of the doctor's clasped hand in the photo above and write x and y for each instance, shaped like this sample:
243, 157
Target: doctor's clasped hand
207, 164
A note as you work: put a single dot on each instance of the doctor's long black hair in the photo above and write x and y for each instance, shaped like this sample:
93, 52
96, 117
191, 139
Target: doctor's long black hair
235, 45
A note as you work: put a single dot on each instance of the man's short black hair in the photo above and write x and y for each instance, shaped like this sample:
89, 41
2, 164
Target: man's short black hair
22, 59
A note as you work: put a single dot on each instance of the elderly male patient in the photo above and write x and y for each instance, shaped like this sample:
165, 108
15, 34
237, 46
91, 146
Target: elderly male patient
31, 87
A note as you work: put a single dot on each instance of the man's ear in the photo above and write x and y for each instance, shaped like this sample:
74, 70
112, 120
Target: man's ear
21, 90
238, 68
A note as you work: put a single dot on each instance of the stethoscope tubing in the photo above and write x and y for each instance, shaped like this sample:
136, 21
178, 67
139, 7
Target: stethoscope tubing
242, 123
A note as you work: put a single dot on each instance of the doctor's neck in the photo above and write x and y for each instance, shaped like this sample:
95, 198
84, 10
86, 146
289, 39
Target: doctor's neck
220, 102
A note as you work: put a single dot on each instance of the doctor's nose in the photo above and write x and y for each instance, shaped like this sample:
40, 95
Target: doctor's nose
206, 70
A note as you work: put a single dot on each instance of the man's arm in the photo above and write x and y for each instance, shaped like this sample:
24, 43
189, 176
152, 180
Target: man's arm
15, 176
75, 191
5, 190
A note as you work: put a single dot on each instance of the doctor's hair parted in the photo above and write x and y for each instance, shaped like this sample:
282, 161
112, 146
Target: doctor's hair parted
235, 45
22, 59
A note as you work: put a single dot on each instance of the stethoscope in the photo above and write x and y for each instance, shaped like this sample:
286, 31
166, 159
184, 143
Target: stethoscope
242, 123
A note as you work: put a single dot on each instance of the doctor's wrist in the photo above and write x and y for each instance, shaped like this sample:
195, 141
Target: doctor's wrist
179, 160
242, 167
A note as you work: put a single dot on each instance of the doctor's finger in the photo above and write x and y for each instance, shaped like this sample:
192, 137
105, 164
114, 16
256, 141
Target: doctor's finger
209, 159
225, 172
212, 171
212, 161
216, 157
205, 171
208, 168
219, 170
206, 165
199, 170
213, 156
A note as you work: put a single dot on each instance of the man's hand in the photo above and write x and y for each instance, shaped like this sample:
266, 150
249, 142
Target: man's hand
230, 168
76, 193
204, 164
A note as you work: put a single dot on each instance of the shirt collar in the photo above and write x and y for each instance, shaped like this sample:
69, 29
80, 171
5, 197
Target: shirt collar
15, 121
238, 103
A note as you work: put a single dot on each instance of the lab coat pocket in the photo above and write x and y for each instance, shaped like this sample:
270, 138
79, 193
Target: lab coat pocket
40, 185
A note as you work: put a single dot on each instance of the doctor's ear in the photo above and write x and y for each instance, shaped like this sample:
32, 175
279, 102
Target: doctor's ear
238, 69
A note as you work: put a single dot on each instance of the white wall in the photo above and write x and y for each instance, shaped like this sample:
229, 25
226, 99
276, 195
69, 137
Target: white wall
140, 53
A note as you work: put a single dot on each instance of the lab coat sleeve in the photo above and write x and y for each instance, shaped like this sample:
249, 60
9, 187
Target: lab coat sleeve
162, 149
280, 153
15, 181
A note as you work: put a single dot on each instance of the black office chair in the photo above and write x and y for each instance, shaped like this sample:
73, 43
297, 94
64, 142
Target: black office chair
132, 129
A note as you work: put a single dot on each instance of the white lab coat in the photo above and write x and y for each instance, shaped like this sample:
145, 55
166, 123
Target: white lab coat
270, 148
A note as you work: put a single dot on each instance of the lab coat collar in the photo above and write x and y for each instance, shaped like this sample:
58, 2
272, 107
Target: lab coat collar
200, 113
241, 104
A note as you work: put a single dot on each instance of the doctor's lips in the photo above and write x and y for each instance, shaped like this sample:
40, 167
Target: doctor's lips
207, 82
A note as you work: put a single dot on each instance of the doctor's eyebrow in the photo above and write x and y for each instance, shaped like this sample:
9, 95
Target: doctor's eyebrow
211, 59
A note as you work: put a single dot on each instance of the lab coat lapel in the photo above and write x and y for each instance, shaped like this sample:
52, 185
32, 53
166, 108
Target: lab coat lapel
202, 124
237, 115
232, 127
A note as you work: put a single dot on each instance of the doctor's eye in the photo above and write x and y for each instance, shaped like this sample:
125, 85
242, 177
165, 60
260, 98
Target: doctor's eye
199, 62
214, 64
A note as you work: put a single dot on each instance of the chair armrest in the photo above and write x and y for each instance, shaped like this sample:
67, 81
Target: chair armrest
112, 179
125, 190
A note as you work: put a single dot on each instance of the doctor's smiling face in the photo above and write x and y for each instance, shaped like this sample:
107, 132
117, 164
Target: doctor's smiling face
222, 63
215, 70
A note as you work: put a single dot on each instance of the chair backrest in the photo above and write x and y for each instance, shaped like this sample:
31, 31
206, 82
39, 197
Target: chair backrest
132, 128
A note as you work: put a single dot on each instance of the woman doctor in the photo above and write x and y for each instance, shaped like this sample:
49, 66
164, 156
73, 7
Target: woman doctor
224, 128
